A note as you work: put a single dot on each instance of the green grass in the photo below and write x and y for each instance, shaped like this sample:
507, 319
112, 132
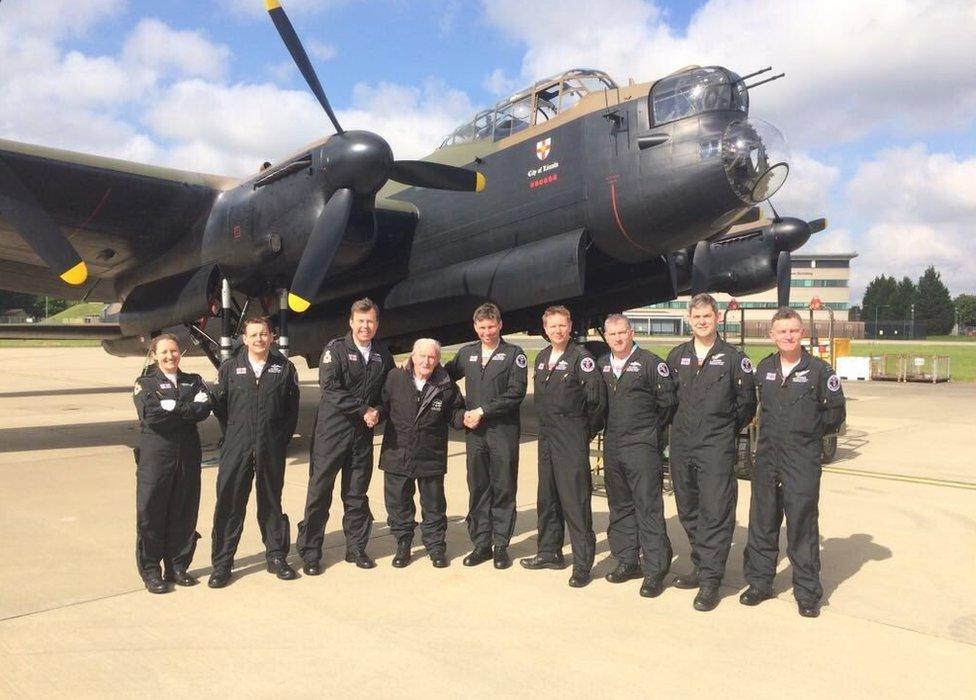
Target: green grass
954, 338
92, 308
42, 343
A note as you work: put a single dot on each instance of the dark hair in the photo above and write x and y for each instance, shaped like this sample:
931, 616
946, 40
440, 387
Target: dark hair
487, 312
784, 312
703, 300
553, 310
160, 337
262, 320
364, 306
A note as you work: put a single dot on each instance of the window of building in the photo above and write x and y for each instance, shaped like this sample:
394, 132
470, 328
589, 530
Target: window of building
832, 263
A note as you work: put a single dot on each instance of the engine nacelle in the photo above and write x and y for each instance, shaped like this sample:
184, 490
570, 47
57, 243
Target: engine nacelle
169, 301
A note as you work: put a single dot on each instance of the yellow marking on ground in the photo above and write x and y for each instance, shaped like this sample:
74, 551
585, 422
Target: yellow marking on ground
903, 477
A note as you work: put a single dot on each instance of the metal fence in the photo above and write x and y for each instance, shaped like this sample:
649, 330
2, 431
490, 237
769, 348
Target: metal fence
911, 368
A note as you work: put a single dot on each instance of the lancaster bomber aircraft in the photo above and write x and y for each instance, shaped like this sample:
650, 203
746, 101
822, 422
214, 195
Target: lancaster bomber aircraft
575, 191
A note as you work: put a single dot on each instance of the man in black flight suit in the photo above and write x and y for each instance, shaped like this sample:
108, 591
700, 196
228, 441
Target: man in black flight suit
801, 399
351, 376
419, 404
495, 376
716, 399
571, 399
640, 401
256, 402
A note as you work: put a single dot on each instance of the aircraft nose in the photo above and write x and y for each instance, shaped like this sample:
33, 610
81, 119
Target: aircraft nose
756, 159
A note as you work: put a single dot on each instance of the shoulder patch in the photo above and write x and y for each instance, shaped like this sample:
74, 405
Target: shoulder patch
587, 364
746, 365
327, 357
833, 383
137, 387
521, 361
662, 369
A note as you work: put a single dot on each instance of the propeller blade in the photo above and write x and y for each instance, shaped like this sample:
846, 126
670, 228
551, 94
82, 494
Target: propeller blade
437, 176
320, 250
297, 51
817, 225
784, 270
38, 229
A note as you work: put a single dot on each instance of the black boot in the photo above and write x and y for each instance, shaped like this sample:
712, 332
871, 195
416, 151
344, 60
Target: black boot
544, 561
402, 556
280, 568
707, 598
754, 596
652, 586
479, 555
502, 560
625, 571
155, 583
689, 581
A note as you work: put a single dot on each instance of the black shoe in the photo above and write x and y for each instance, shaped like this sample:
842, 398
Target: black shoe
439, 559
580, 578
754, 596
312, 568
502, 560
360, 559
180, 578
479, 555
652, 586
155, 584
687, 582
280, 568
402, 557
707, 598
544, 561
624, 572
808, 609
219, 578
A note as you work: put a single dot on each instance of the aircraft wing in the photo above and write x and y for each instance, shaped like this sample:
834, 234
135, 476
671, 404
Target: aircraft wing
117, 214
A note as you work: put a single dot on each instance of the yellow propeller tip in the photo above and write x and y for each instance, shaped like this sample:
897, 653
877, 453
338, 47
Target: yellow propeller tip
479, 182
271, 5
297, 304
76, 275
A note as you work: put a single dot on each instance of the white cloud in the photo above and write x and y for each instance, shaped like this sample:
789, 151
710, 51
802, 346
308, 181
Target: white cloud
499, 84
807, 190
155, 46
852, 68
255, 10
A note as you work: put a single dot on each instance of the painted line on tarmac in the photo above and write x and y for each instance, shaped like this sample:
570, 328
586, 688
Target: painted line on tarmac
947, 483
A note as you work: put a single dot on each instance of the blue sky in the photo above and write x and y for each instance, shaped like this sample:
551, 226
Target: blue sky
879, 102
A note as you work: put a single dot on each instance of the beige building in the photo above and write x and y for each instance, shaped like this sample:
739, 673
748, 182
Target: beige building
826, 277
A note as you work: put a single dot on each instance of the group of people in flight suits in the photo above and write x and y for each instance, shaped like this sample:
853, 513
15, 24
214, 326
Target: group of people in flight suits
706, 390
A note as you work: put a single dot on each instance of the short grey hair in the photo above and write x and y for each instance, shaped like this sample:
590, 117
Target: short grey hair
617, 318
419, 342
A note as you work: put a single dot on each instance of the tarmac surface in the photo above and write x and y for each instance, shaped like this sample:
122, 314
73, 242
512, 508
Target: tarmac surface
898, 527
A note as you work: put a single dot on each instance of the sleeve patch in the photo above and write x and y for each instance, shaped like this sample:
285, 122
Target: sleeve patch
662, 369
587, 364
521, 361
833, 383
327, 357
746, 365
136, 389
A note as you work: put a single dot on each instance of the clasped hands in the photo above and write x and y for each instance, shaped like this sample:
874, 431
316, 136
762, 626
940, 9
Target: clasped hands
472, 418
371, 417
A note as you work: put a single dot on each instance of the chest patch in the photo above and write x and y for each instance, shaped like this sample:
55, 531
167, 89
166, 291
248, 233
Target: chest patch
241, 370
274, 369
717, 362
353, 357
770, 376
542, 365
473, 358
498, 357
165, 385
606, 369
634, 367
800, 379
561, 364
685, 361
436, 405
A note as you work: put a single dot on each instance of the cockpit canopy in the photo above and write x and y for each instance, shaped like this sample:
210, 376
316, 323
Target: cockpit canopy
534, 105
695, 91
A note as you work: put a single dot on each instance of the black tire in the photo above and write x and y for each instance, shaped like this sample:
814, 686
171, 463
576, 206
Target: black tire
828, 449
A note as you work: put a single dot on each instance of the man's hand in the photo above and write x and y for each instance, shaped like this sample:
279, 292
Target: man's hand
371, 417
473, 418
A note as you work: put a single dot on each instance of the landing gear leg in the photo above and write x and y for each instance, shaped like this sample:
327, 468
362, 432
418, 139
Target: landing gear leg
225, 320
283, 321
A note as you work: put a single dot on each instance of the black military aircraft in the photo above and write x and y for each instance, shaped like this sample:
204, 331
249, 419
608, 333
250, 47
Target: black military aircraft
576, 191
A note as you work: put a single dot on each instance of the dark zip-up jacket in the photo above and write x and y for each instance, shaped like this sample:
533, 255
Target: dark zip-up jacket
571, 391
258, 414
170, 436
497, 387
418, 422
798, 409
640, 402
716, 399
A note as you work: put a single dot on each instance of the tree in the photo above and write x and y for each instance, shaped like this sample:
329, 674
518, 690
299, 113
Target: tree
905, 296
879, 297
966, 309
33, 305
934, 305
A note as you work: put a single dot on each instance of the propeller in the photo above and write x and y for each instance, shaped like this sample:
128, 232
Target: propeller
38, 229
357, 164
784, 269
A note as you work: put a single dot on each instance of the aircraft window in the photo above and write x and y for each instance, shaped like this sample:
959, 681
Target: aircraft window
512, 118
544, 110
691, 93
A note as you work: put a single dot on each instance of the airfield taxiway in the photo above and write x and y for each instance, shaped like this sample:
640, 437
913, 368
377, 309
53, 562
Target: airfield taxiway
898, 524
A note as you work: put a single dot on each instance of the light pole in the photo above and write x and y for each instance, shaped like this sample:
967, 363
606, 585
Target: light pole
876, 310
913, 322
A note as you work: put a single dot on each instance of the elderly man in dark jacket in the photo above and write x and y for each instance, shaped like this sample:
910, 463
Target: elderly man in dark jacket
419, 404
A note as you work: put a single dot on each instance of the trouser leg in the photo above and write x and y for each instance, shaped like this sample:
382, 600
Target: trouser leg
548, 507
503, 467
398, 493
233, 490
643, 469
321, 481
433, 511
765, 518
275, 532
357, 519
181, 520
574, 483
718, 492
622, 528
479, 491
801, 495
153, 486
684, 481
